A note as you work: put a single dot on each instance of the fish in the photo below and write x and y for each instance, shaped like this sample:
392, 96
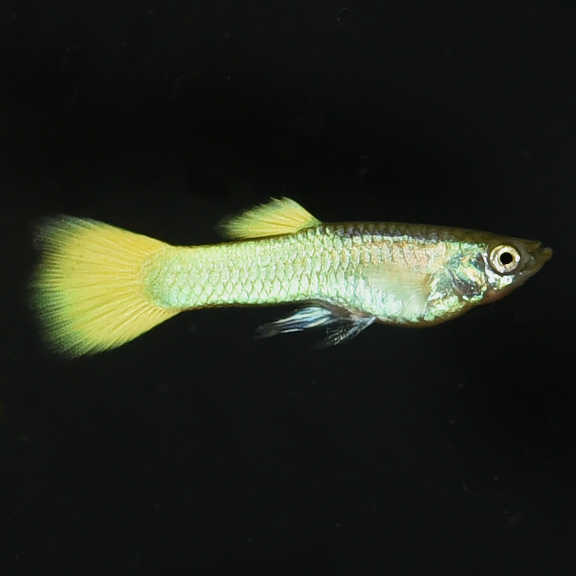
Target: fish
97, 286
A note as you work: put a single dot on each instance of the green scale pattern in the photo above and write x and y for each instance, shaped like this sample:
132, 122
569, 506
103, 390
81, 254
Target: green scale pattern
328, 263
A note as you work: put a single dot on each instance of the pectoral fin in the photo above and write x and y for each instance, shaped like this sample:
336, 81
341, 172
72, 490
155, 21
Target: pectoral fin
411, 287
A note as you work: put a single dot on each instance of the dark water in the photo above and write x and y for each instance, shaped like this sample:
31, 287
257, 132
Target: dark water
197, 450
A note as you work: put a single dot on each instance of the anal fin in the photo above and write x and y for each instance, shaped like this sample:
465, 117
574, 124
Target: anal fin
345, 330
339, 327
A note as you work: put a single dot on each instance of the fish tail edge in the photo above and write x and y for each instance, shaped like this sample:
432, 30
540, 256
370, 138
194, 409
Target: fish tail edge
89, 289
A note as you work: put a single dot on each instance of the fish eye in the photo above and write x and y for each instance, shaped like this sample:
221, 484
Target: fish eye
504, 258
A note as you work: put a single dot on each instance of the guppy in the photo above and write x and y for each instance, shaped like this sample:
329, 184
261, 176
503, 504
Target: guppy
97, 286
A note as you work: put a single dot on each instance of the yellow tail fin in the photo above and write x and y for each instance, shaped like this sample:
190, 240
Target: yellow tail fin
89, 289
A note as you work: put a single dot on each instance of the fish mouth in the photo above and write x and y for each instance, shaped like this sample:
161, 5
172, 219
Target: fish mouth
544, 254
538, 257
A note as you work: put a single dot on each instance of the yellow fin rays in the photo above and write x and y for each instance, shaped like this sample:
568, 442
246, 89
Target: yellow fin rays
89, 288
279, 216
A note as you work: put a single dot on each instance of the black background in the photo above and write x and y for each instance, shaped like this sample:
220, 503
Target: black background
198, 450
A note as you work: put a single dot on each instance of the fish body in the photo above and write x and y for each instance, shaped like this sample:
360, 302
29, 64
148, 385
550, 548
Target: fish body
99, 286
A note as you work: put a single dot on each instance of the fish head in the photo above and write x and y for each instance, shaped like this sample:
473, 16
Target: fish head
509, 262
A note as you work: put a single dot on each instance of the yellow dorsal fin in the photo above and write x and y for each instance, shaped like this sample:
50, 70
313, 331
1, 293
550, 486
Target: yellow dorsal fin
279, 216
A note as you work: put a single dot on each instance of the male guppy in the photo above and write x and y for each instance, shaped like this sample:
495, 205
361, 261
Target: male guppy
98, 286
